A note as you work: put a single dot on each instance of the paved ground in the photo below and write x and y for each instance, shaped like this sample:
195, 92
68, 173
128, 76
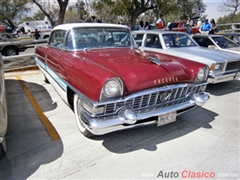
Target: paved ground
44, 143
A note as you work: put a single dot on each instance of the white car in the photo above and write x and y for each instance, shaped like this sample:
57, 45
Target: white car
219, 42
3, 111
224, 66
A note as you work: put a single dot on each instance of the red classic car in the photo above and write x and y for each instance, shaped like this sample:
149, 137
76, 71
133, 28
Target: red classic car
181, 27
112, 85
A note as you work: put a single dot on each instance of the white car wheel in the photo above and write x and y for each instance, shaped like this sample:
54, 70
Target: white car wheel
77, 110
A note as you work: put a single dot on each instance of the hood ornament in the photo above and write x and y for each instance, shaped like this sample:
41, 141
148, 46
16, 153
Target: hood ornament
155, 60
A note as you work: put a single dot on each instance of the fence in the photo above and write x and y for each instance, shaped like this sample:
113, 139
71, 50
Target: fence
228, 27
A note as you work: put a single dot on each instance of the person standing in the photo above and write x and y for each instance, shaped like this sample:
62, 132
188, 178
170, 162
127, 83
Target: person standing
160, 23
206, 27
36, 35
141, 26
189, 24
212, 31
199, 24
147, 26
91, 19
29, 34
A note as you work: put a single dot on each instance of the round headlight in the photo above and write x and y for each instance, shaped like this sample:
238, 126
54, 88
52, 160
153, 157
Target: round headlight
201, 75
217, 67
111, 88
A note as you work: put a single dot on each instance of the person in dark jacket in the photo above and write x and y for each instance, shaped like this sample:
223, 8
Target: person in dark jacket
36, 35
91, 19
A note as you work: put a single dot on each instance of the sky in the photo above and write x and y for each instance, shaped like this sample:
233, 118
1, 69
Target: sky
212, 9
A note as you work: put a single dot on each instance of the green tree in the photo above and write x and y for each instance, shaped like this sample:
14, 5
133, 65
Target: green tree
82, 10
11, 10
71, 17
228, 19
130, 9
191, 8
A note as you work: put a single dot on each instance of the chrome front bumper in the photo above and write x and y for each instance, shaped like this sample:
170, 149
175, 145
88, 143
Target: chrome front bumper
213, 79
100, 126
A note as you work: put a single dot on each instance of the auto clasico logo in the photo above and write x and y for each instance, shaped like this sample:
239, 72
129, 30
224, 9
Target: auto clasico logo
186, 174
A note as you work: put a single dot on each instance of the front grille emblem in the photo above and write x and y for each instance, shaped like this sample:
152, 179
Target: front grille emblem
165, 96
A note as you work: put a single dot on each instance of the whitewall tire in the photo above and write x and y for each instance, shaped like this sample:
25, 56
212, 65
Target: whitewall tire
77, 110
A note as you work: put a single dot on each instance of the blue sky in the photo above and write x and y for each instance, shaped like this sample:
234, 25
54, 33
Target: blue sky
212, 9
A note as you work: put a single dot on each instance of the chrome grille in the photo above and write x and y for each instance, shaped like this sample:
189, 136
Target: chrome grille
155, 99
233, 65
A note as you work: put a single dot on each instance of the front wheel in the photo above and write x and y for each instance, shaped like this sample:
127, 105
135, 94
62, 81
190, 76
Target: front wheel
78, 110
10, 51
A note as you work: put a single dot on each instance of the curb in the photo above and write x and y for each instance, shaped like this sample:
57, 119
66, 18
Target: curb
27, 68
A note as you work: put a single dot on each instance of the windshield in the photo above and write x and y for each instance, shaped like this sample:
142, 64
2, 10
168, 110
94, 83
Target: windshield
98, 37
224, 42
178, 41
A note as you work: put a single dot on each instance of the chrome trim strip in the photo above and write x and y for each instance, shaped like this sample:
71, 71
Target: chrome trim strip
54, 75
1, 139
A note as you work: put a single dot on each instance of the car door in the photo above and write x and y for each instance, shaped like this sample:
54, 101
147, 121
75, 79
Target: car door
54, 56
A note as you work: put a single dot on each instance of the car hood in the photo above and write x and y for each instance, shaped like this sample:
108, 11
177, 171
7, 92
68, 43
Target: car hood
135, 68
204, 55
234, 50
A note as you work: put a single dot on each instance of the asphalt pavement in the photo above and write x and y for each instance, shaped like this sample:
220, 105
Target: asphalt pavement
44, 142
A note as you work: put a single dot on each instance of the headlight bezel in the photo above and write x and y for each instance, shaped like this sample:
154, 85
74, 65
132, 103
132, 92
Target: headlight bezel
111, 84
216, 67
202, 74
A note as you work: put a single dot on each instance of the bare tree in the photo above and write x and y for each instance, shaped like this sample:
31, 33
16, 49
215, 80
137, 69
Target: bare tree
230, 6
49, 10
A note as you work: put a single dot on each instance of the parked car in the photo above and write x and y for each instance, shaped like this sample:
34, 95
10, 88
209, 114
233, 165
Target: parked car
224, 66
10, 46
235, 37
181, 26
111, 85
3, 111
219, 42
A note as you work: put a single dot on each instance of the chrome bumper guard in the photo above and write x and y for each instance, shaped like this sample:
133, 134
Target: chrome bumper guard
100, 126
213, 79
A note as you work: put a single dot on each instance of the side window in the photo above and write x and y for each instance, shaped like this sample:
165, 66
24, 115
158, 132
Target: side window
57, 39
205, 42
138, 38
152, 40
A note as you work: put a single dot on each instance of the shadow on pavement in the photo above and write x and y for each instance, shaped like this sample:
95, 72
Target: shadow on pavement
224, 88
150, 136
28, 143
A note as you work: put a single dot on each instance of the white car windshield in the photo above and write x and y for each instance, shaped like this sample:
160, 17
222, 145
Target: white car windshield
178, 41
98, 37
224, 42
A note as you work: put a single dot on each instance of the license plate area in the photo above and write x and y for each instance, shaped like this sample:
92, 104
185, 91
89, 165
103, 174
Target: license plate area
166, 118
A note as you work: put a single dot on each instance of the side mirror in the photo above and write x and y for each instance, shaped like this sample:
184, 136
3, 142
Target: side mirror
212, 47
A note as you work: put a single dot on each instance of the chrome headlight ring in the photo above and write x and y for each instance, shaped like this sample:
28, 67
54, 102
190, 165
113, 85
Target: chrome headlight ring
112, 88
217, 67
202, 74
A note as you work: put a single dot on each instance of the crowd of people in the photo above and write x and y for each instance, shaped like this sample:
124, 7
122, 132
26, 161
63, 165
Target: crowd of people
205, 27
